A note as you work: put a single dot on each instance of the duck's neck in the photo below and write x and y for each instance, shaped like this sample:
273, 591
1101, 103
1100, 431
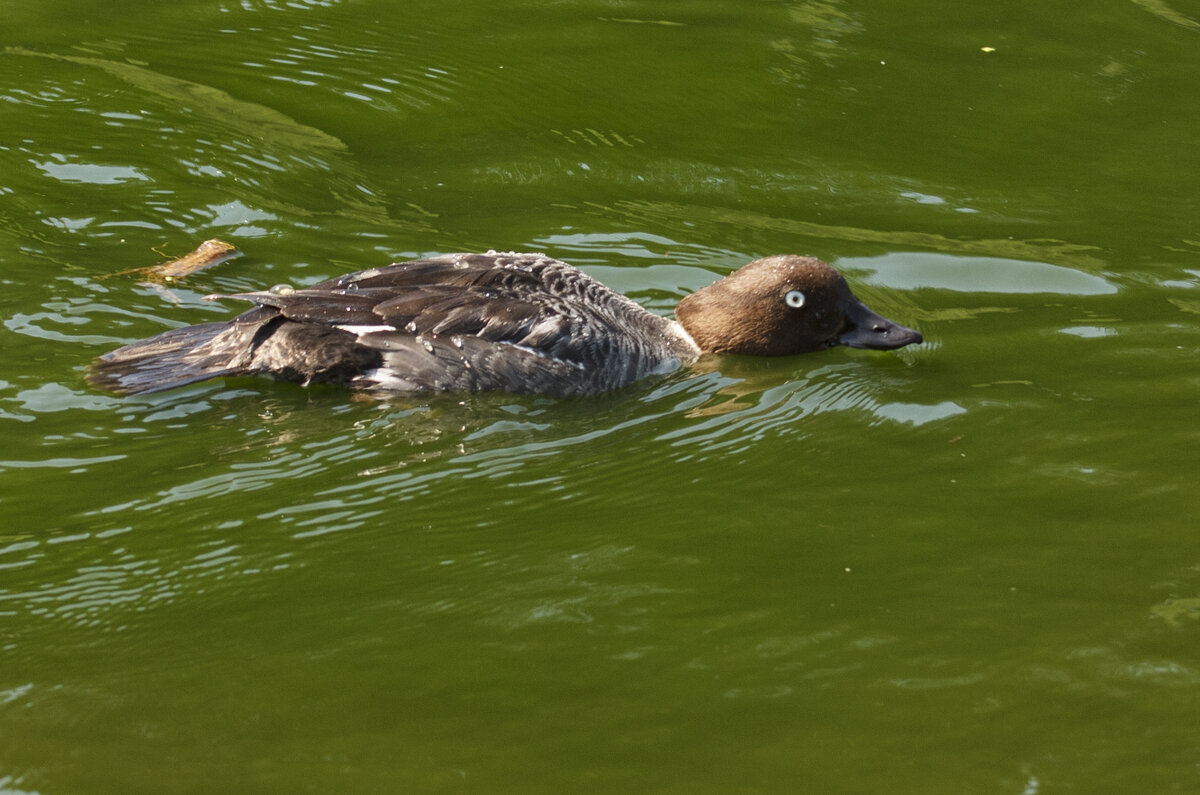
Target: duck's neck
684, 342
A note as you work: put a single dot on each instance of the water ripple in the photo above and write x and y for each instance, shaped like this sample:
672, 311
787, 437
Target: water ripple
250, 154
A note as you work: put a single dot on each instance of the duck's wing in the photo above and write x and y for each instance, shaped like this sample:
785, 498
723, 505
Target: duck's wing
531, 301
519, 323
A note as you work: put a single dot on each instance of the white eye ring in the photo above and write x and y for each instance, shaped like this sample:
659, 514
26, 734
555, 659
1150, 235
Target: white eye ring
794, 299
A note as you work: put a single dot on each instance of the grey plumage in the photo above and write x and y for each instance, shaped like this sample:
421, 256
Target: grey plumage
462, 322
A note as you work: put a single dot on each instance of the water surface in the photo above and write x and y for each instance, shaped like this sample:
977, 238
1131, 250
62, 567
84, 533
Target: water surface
968, 566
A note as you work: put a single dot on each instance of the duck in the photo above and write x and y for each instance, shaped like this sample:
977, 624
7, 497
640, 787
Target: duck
500, 322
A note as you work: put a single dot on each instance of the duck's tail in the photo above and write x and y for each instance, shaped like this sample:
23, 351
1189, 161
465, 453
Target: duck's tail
171, 359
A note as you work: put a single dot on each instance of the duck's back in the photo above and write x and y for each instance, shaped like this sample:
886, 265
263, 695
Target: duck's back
458, 322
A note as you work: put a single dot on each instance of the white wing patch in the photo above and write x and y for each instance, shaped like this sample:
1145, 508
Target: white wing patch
360, 330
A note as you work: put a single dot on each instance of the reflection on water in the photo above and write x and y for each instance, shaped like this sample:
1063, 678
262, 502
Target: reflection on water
246, 153
677, 217
976, 274
1164, 10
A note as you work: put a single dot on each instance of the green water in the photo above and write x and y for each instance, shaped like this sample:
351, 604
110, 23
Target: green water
967, 567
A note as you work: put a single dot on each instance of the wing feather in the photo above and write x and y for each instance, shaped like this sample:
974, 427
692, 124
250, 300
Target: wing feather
496, 298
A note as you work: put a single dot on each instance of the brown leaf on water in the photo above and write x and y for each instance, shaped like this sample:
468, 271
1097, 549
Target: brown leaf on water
207, 254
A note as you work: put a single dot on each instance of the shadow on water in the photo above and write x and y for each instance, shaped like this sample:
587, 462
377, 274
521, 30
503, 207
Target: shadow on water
357, 449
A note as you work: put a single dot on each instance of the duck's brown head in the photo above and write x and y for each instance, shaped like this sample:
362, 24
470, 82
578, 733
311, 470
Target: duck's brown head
784, 305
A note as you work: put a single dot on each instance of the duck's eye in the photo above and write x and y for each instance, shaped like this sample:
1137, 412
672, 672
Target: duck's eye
794, 299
